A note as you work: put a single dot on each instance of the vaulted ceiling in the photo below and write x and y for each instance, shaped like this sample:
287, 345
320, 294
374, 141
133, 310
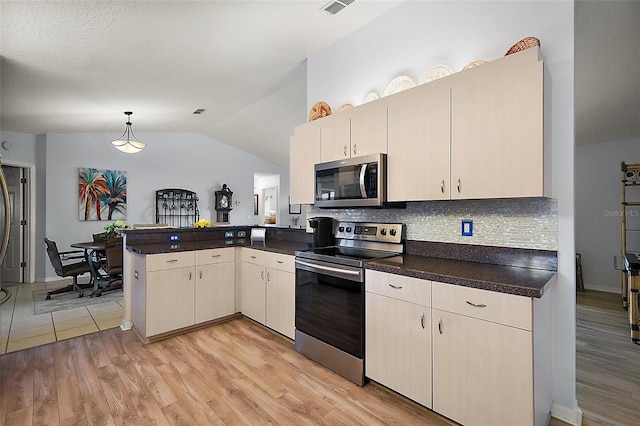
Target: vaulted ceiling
76, 66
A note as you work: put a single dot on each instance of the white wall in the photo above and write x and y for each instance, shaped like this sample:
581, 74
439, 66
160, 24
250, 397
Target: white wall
171, 160
598, 210
415, 35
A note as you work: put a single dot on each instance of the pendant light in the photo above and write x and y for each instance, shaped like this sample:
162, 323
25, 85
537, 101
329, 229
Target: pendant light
128, 142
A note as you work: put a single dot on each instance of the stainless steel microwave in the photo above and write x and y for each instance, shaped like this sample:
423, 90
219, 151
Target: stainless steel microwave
353, 182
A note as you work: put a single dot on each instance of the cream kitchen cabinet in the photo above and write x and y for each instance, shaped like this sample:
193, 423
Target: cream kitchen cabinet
418, 160
171, 291
398, 334
163, 292
267, 289
483, 357
497, 148
215, 284
354, 132
304, 153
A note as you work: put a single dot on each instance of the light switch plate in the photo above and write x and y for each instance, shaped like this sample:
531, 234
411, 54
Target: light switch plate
467, 228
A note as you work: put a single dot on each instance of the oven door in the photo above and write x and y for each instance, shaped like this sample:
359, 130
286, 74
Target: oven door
330, 304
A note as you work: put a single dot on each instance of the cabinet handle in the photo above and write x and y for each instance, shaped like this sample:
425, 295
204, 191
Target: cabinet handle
268, 276
262, 275
279, 261
253, 257
458, 186
442, 186
201, 274
355, 149
218, 255
172, 260
397, 287
477, 305
440, 325
190, 276
422, 320
345, 150
136, 274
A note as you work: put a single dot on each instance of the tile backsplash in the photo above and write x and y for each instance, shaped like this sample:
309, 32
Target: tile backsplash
521, 222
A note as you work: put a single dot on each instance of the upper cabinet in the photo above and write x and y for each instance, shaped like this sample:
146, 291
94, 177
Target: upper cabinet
497, 130
304, 153
419, 145
475, 134
354, 132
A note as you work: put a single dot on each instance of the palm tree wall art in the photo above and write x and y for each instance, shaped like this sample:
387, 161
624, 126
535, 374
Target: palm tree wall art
102, 194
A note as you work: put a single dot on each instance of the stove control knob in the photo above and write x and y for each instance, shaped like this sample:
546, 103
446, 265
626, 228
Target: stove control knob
341, 228
348, 229
384, 231
392, 232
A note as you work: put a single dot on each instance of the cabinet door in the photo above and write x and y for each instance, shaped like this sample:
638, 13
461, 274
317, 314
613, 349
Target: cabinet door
398, 350
252, 291
419, 143
215, 291
482, 371
281, 301
304, 153
497, 132
335, 139
170, 300
368, 129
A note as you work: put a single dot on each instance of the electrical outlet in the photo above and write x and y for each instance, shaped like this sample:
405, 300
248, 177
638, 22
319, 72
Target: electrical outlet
467, 228
174, 237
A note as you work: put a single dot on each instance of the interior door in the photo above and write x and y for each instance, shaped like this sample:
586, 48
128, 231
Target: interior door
11, 271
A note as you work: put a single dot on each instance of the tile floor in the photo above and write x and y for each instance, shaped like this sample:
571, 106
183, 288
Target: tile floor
20, 328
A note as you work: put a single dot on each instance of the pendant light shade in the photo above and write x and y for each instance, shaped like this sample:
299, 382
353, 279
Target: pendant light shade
128, 143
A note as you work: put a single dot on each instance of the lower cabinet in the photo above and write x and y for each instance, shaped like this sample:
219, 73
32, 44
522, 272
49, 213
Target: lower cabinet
171, 291
489, 352
267, 289
398, 334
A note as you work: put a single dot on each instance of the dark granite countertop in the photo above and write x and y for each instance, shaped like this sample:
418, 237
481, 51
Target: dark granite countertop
277, 246
516, 280
633, 263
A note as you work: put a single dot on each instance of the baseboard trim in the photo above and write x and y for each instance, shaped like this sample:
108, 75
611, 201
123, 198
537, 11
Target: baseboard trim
567, 415
602, 288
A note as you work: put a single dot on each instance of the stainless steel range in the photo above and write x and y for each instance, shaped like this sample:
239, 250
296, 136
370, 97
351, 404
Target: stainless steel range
330, 294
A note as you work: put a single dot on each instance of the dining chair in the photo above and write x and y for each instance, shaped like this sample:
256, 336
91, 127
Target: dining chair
64, 268
112, 267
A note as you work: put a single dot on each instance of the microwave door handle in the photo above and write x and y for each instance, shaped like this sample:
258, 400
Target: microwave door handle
363, 190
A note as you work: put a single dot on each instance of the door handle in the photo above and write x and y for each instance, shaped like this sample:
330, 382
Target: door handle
355, 147
397, 287
442, 186
279, 261
200, 273
172, 260
458, 186
268, 276
262, 275
422, 320
345, 150
218, 255
476, 305
440, 325
190, 276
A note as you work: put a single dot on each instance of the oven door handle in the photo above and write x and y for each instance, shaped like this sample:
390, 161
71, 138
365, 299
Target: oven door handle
334, 271
363, 172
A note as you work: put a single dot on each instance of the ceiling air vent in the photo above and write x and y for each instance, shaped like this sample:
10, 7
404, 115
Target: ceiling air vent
336, 6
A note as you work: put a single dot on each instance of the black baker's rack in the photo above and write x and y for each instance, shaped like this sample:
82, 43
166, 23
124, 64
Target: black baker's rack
177, 207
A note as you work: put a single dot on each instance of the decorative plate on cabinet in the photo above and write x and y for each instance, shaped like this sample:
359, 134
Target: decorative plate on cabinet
435, 72
474, 64
319, 110
370, 97
399, 84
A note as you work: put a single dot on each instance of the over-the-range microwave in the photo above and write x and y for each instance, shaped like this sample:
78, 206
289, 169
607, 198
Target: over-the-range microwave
353, 182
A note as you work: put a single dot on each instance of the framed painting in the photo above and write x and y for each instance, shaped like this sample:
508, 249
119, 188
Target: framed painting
102, 194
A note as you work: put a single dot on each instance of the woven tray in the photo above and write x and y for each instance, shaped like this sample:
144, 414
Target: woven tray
523, 44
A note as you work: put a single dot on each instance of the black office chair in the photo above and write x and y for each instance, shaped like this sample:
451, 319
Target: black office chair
63, 268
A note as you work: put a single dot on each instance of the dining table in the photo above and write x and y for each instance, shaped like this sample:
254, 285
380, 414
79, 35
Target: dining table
93, 250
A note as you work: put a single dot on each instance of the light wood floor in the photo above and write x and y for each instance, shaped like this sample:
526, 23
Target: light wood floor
607, 362
232, 373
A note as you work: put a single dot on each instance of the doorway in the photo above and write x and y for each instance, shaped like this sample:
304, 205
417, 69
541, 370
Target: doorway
267, 188
18, 265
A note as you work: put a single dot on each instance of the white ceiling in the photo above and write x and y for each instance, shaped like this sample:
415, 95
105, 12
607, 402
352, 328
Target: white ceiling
76, 66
